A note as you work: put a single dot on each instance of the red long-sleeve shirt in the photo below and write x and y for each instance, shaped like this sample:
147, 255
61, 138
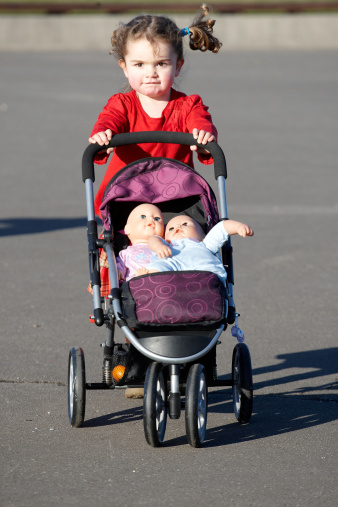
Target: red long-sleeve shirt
124, 113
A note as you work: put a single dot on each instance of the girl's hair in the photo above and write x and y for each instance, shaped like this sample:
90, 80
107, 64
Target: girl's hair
155, 28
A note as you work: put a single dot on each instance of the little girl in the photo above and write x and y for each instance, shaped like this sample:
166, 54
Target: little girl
149, 50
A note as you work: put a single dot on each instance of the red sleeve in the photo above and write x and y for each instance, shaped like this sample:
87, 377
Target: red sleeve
200, 118
114, 117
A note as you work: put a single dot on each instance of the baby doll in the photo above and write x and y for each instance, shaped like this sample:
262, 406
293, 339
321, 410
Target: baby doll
143, 222
189, 248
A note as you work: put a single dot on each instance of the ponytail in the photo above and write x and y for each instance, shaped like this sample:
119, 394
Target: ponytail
200, 32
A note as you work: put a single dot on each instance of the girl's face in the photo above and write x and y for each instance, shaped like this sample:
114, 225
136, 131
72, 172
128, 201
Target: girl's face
151, 69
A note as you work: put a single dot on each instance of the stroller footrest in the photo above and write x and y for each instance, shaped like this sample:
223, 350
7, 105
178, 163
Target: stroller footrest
175, 345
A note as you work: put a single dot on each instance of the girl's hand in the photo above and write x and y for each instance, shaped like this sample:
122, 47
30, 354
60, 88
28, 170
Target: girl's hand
202, 137
102, 138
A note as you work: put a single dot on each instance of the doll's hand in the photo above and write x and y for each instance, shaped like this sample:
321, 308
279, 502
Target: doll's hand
141, 271
202, 137
102, 138
120, 276
244, 230
163, 251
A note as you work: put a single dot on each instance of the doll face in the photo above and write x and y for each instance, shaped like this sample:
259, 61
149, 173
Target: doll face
183, 227
144, 221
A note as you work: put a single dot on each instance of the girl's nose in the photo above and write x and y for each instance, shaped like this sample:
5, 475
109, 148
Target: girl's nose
151, 71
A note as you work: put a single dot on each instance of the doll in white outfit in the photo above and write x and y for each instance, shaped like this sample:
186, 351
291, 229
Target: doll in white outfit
186, 247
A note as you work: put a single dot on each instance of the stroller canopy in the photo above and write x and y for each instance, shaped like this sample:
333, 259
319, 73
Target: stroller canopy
173, 186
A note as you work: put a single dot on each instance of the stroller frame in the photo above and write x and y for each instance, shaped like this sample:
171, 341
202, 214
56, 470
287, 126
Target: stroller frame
155, 394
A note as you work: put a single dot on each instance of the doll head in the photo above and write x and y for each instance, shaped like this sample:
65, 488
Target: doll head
144, 221
181, 227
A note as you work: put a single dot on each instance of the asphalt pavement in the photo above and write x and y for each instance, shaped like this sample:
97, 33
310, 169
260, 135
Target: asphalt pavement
277, 118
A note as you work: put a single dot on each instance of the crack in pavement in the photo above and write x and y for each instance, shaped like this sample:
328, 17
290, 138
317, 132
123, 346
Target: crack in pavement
20, 381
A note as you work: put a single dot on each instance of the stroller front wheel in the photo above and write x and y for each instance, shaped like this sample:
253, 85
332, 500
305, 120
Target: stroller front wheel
154, 405
76, 387
196, 405
242, 389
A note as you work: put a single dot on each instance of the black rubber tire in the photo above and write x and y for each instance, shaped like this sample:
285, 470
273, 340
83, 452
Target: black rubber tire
155, 405
196, 405
76, 387
242, 389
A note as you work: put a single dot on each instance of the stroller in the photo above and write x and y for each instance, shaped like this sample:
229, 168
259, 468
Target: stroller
172, 321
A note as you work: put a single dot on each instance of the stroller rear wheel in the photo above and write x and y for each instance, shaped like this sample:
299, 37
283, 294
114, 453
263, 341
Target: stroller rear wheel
196, 405
154, 405
76, 387
242, 389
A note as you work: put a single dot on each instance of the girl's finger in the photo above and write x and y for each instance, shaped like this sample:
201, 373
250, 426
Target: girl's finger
201, 136
109, 134
207, 138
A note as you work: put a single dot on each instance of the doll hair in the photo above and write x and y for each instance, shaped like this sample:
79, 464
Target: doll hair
161, 28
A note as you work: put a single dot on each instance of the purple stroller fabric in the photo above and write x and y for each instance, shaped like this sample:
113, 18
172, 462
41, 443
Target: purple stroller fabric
186, 297
155, 181
157, 302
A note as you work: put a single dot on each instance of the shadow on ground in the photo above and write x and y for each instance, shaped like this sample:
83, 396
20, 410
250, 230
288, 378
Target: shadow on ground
19, 226
273, 414
314, 363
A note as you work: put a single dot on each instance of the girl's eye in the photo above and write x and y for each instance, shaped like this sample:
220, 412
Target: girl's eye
162, 64
138, 64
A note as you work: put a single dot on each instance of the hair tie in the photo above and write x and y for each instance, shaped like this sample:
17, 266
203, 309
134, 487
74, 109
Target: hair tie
185, 31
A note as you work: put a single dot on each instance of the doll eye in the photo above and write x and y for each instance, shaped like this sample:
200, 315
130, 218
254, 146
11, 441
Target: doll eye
185, 223
171, 229
143, 216
157, 219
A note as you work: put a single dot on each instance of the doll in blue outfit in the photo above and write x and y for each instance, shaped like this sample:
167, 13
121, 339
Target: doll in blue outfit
186, 247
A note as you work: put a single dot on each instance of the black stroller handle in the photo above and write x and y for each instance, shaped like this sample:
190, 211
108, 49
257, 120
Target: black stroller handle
129, 138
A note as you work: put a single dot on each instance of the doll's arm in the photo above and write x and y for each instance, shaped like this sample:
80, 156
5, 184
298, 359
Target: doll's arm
121, 269
220, 233
232, 227
155, 243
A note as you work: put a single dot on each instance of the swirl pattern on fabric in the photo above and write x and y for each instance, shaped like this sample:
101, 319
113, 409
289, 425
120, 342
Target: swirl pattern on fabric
171, 298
